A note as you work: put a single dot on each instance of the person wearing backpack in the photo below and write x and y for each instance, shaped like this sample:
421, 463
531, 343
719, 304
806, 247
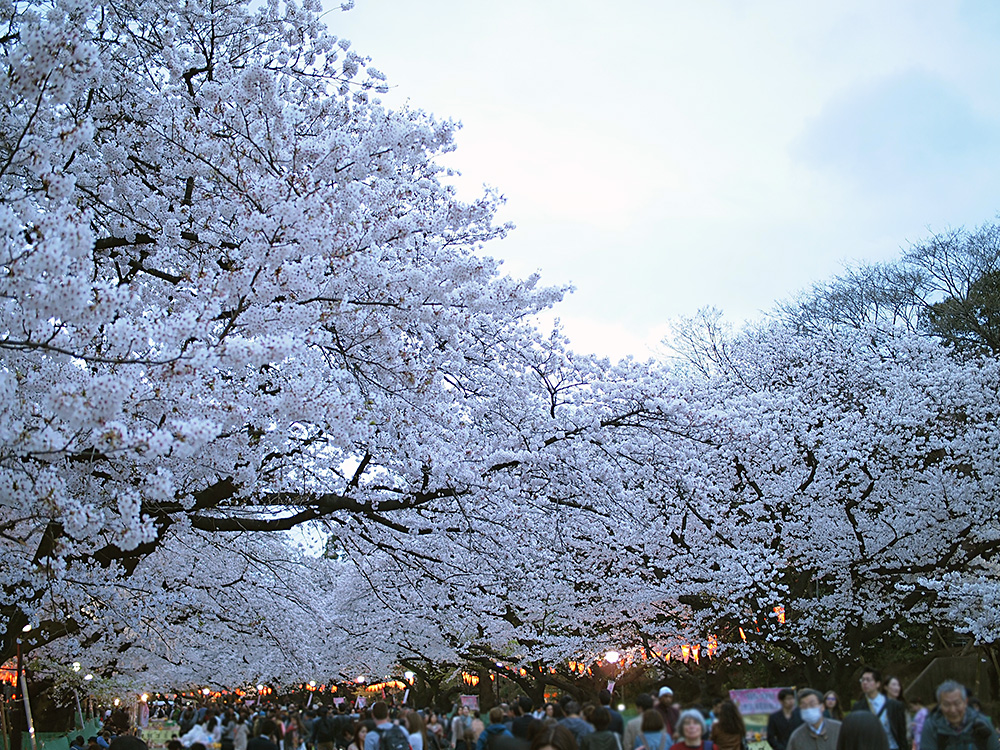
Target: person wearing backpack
324, 731
494, 730
603, 737
386, 735
653, 734
955, 725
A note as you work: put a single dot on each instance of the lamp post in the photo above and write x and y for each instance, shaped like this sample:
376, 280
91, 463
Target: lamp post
27, 711
22, 678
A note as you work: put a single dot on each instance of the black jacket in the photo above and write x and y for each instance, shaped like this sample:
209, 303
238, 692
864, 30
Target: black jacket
780, 728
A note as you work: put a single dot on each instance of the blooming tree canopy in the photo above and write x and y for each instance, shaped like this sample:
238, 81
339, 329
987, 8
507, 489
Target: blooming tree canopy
237, 297
845, 488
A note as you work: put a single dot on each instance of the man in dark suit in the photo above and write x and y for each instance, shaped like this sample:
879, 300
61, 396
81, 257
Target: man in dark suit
784, 721
263, 741
891, 713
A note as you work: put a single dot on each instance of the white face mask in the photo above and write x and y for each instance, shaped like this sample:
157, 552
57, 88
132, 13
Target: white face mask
811, 715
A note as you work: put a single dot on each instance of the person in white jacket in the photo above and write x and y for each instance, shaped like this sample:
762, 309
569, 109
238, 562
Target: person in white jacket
207, 733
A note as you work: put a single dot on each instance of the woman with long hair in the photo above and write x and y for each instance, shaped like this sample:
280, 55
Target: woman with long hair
434, 728
893, 688
416, 729
358, 737
862, 730
831, 706
729, 731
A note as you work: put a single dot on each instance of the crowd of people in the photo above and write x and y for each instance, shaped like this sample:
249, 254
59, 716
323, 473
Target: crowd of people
880, 719
807, 720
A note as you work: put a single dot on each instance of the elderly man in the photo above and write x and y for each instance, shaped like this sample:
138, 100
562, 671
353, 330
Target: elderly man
816, 732
954, 725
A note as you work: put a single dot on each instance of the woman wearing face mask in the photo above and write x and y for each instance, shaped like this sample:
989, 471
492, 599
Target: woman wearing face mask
817, 732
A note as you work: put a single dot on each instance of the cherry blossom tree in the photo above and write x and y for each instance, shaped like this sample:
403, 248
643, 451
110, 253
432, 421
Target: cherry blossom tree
843, 491
238, 297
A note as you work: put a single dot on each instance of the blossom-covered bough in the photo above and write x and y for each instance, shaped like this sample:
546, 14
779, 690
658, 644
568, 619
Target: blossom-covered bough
849, 487
236, 298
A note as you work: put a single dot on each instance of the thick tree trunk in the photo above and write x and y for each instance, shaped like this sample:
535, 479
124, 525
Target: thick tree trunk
487, 688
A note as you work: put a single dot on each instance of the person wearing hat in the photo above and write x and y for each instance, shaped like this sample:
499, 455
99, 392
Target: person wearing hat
665, 705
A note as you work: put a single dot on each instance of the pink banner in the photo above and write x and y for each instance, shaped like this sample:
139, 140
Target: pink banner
756, 700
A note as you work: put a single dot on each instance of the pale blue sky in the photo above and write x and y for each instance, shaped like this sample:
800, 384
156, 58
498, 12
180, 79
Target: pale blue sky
663, 156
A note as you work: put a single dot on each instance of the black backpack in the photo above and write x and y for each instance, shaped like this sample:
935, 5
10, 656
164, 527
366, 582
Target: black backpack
326, 729
981, 733
393, 738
